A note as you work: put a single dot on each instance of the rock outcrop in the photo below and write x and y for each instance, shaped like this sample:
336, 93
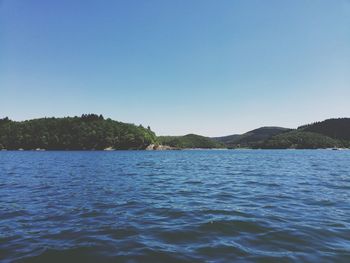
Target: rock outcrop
155, 147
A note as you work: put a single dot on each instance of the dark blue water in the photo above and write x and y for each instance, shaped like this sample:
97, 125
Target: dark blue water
175, 206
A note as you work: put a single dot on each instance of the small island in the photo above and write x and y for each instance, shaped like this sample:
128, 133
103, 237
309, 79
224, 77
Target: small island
94, 132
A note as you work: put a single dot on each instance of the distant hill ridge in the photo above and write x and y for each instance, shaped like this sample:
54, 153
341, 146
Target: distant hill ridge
190, 141
251, 138
334, 128
330, 133
297, 139
93, 132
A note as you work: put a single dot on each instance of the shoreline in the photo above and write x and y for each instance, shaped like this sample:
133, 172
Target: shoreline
178, 149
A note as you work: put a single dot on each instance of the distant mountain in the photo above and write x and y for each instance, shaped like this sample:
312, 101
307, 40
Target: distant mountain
331, 133
335, 128
88, 132
189, 141
252, 138
325, 134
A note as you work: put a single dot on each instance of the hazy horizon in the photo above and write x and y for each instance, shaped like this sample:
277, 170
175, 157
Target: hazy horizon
210, 68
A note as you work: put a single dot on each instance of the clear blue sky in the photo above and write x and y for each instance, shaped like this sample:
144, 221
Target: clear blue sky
202, 66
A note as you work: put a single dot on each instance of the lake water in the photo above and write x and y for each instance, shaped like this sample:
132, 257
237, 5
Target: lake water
175, 206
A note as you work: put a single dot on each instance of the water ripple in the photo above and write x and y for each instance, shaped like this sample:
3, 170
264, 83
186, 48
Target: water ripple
176, 206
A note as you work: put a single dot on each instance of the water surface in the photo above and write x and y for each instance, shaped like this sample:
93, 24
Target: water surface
175, 206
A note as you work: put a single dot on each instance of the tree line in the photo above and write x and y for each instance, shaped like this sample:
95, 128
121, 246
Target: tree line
87, 132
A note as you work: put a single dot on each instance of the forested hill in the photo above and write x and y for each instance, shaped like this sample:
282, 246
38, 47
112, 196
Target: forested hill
252, 138
189, 141
94, 132
301, 140
334, 128
88, 132
331, 133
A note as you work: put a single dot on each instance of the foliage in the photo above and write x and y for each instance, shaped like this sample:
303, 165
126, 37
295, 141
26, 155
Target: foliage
189, 141
334, 128
93, 132
228, 140
300, 140
326, 134
252, 138
90, 131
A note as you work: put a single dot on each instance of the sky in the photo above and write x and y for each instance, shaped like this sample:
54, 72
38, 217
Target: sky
180, 66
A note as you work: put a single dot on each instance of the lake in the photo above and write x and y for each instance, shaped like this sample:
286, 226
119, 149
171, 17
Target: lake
175, 206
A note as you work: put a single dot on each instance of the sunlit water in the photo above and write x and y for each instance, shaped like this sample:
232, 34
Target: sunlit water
175, 206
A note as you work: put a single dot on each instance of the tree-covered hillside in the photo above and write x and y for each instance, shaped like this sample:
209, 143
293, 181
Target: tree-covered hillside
227, 140
334, 128
326, 134
87, 132
300, 140
93, 132
252, 138
189, 141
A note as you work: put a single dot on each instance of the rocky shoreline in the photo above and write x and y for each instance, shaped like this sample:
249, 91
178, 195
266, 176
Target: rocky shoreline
155, 147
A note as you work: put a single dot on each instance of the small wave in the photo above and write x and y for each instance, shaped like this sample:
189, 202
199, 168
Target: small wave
228, 227
118, 233
220, 251
81, 254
